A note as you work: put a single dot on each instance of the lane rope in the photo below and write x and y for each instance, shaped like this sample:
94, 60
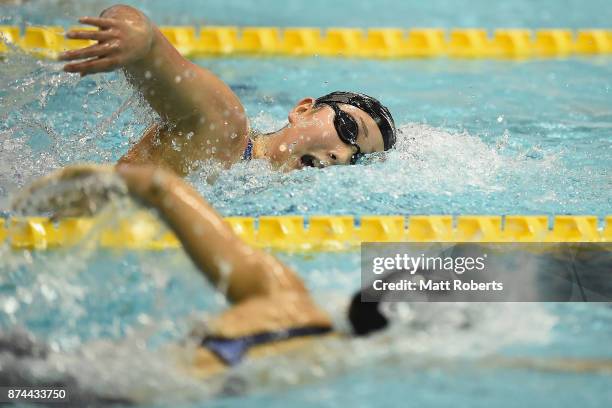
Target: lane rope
313, 233
48, 41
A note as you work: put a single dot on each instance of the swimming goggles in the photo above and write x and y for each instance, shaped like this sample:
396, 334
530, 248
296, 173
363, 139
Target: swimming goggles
347, 129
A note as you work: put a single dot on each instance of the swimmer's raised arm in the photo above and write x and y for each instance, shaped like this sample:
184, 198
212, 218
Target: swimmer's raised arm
210, 242
190, 98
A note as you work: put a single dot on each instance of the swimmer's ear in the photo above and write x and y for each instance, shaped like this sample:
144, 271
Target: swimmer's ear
303, 106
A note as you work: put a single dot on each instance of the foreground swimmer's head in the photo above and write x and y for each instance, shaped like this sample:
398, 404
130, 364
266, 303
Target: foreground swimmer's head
337, 128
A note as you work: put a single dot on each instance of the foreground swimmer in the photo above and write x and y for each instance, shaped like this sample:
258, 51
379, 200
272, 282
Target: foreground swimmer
272, 312
271, 304
202, 119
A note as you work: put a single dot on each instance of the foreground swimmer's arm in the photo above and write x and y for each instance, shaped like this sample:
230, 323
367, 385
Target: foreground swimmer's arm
267, 294
225, 259
198, 109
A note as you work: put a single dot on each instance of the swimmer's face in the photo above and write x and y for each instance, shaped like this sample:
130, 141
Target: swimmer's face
313, 140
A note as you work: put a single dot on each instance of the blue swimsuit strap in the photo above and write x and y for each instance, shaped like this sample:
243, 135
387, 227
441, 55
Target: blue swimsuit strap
231, 351
248, 151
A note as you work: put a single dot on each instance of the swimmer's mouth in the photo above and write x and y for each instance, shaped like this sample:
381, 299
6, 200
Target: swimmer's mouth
308, 161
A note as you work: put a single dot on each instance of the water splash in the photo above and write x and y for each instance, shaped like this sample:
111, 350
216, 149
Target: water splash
430, 171
49, 118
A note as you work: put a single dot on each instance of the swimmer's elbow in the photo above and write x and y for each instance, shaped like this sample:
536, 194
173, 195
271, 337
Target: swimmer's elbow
121, 12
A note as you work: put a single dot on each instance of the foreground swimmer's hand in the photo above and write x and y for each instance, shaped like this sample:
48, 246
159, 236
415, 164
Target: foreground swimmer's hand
74, 191
121, 41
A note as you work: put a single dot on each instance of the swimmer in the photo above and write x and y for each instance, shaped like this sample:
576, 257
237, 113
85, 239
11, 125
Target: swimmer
272, 312
200, 116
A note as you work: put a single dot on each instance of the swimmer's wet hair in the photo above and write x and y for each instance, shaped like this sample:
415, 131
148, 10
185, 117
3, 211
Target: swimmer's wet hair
369, 105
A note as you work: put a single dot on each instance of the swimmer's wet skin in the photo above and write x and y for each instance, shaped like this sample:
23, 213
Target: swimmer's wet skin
201, 114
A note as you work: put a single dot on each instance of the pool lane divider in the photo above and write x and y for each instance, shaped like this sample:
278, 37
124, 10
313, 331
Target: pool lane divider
314, 233
49, 41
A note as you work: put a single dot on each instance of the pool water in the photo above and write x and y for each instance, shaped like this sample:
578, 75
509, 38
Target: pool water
478, 137
340, 13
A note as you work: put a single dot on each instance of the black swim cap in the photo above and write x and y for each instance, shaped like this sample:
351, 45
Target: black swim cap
369, 105
365, 317
364, 312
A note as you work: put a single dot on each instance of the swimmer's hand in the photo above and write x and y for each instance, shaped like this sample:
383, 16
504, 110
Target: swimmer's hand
74, 191
83, 190
125, 36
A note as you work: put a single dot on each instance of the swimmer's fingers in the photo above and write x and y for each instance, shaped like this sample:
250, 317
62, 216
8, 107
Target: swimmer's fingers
95, 35
93, 66
99, 22
81, 170
39, 197
71, 172
96, 50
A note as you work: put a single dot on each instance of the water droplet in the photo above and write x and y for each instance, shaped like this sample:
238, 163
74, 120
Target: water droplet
148, 74
500, 118
178, 79
10, 306
282, 147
